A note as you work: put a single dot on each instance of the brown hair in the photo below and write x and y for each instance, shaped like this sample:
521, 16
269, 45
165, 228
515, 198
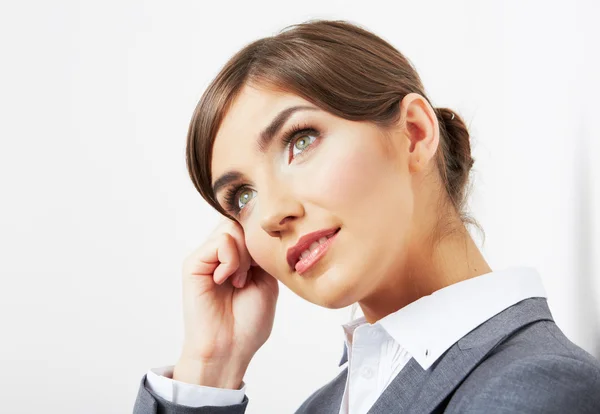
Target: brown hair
341, 68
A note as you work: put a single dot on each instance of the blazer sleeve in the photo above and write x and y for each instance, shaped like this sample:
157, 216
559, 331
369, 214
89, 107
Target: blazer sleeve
149, 402
541, 384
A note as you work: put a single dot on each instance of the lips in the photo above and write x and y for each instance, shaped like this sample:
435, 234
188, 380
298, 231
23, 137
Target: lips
293, 253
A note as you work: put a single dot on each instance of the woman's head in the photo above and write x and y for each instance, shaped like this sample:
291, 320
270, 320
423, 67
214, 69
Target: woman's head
327, 126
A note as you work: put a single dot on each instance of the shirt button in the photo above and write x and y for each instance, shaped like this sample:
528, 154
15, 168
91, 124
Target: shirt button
367, 372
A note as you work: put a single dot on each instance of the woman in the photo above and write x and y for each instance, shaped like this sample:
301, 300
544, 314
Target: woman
336, 176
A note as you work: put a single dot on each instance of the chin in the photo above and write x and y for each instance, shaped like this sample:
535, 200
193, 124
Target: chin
331, 289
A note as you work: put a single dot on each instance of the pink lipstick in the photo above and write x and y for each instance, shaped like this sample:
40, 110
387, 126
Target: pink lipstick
310, 249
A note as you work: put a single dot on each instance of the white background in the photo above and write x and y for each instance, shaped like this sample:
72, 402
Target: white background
97, 211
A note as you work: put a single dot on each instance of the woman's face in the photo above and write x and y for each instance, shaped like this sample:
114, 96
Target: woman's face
333, 174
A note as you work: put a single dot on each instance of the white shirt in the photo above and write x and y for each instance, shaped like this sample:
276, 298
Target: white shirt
422, 330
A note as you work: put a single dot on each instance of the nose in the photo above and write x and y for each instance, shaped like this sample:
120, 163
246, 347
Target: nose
278, 209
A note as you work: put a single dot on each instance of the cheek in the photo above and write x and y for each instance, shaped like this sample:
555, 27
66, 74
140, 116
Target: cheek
348, 178
261, 250
366, 191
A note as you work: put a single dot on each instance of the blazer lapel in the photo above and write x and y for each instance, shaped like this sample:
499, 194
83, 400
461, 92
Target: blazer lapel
402, 391
416, 390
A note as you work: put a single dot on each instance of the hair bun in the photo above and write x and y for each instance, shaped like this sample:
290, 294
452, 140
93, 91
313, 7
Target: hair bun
456, 147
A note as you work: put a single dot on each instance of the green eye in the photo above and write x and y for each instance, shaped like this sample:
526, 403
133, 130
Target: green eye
302, 143
245, 197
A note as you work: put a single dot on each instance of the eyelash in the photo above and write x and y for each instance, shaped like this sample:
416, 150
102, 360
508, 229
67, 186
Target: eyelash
296, 131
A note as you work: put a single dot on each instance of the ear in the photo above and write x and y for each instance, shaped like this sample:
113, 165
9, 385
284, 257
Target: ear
422, 130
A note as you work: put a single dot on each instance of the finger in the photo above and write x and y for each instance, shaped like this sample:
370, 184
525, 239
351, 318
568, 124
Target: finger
204, 260
245, 261
228, 257
220, 256
224, 272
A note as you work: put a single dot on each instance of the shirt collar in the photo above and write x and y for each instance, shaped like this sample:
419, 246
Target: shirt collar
429, 326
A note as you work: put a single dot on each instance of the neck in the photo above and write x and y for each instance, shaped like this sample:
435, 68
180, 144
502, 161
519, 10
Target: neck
454, 259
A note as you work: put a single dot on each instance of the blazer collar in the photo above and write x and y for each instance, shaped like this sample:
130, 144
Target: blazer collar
417, 390
429, 326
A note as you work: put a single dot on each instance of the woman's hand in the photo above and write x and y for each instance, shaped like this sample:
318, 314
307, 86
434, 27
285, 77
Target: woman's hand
228, 310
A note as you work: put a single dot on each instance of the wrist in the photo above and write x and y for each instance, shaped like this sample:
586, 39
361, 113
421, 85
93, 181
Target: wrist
210, 373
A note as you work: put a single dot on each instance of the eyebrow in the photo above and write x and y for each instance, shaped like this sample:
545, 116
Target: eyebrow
263, 143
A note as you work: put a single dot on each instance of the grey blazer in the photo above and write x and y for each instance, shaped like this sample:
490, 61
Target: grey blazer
518, 361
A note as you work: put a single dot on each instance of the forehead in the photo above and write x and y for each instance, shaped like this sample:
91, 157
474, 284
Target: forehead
251, 111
